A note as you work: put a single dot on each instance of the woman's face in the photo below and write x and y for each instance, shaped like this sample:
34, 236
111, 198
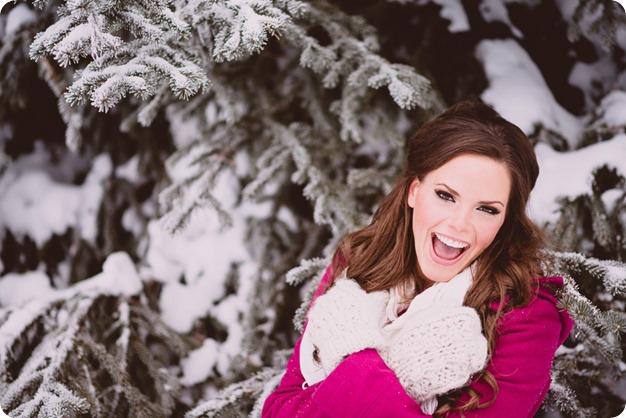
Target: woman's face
457, 211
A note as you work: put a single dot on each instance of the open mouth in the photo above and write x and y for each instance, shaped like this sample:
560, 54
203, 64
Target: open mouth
446, 248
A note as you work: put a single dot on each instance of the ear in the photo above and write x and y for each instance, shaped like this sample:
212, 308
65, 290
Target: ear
413, 192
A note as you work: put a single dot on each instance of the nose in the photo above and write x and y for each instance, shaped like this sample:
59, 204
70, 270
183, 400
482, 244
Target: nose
459, 219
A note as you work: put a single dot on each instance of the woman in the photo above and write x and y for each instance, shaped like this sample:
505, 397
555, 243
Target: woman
453, 231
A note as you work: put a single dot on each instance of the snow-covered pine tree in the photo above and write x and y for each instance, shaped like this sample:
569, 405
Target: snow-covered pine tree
288, 119
590, 235
241, 125
90, 350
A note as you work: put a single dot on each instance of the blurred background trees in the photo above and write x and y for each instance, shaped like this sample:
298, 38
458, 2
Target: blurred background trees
175, 174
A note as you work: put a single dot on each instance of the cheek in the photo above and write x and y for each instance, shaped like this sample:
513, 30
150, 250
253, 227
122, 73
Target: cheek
486, 234
426, 215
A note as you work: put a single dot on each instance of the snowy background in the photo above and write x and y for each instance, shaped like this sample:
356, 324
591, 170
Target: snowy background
40, 199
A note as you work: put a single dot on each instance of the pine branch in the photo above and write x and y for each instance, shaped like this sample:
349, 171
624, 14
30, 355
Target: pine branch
598, 352
202, 163
80, 361
565, 400
597, 19
87, 29
238, 399
611, 273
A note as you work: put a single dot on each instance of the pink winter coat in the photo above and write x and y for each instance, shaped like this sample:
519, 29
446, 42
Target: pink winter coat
363, 386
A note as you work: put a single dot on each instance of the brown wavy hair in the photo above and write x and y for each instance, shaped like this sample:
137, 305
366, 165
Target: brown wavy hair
382, 255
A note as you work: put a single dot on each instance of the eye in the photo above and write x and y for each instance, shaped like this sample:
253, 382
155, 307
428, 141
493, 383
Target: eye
489, 209
443, 195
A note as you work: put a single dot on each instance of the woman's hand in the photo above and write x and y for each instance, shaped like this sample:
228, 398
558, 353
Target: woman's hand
344, 320
436, 351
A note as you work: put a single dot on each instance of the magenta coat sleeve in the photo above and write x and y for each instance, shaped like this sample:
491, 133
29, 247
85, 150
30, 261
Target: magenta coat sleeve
363, 386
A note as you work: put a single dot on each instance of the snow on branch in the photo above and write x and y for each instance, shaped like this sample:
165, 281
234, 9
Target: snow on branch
599, 19
333, 202
239, 395
611, 273
107, 85
596, 334
194, 172
306, 270
131, 50
315, 268
597, 330
359, 60
565, 400
241, 27
72, 351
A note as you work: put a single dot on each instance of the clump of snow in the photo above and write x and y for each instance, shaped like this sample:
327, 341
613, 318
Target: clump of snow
18, 288
34, 204
611, 197
519, 92
31, 291
20, 15
615, 278
198, 365
16, 322
569, 174
229, 312
118, 274
181, 304
613, 109
593, 78
29, 295
496, 11
129, 170
184, 131
453, 11
203, 253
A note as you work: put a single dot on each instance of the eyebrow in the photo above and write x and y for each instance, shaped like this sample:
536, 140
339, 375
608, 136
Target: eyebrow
482, 202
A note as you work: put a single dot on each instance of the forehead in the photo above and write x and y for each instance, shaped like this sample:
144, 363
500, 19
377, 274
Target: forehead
483, 177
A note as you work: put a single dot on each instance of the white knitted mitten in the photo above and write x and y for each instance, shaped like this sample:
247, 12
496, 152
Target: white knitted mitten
437, 351
344, 320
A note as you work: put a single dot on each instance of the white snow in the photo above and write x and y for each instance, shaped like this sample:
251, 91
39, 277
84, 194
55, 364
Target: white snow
39, 199
453, 11
519, 92
181, 304
198, 364
496, 11
613, 108
568, 174
34, 204
20, 15
16, 288
593, 78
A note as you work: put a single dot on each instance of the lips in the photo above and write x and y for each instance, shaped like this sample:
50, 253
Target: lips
446, 250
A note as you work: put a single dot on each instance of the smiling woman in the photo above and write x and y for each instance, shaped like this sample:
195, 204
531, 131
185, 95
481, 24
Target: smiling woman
438, 307
457, 211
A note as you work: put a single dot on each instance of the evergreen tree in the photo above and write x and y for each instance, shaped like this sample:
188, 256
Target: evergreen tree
283, 122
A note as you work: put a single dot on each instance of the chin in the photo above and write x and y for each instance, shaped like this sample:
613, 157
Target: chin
438, 273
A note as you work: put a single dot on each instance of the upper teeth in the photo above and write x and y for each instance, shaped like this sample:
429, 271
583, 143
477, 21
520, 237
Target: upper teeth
449, 242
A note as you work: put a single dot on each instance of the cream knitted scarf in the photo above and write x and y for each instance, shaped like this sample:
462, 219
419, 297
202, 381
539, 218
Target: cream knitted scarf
425, 308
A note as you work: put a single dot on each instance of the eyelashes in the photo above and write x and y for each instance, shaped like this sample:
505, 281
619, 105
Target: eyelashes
443, 195
489, 209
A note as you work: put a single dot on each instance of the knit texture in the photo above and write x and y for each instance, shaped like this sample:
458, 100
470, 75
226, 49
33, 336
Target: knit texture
344, 320
364, 386
436, 352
